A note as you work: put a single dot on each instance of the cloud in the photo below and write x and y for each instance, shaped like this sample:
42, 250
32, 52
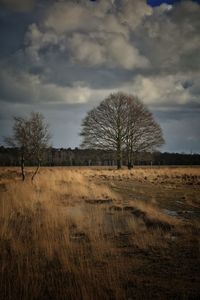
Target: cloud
115, 51
167, 90
125, 55
90, 34
77, 52
171, 38
157, 91
67, 16
35, 41
18, 5
134, 12
32, 89
103, 15
131, 35
86, 49
74, 42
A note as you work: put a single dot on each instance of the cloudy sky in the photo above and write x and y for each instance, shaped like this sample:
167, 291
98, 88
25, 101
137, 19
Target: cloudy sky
63, 57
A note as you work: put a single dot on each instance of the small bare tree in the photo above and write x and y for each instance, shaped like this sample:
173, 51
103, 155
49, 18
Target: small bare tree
30, 137
121, 123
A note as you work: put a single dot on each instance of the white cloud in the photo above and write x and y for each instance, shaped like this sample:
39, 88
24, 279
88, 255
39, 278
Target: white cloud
124, 54
85, 49
67, 16
133, 12
78, 52
92, 34
112, 51
87, 35
171, 37
35, 40
165, 90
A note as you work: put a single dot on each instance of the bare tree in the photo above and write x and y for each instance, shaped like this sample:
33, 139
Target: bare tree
30, 137
39, 138
143, 132
104, 126
121, 123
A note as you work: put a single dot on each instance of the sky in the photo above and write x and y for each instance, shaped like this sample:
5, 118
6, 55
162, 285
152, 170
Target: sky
63, 57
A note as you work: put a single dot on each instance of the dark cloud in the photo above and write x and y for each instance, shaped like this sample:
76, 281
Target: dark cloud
18, 5
12, 31
63, 58
170, 38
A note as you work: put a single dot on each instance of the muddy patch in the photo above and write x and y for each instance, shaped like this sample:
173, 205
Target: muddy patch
135, 211
149, 222
153, 223
98, 201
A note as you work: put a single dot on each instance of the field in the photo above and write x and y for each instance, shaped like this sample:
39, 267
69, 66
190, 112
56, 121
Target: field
94, 233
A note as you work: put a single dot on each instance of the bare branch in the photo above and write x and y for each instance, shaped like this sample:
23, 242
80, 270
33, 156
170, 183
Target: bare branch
121, 123
31, 137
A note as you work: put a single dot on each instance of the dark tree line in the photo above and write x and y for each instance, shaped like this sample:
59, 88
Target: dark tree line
92, 157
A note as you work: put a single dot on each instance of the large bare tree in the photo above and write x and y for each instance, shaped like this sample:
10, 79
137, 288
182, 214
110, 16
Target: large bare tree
121, 123
143, 132
30, 137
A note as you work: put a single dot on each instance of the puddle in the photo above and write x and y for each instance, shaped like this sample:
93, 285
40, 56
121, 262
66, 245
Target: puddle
170, 212
179, 213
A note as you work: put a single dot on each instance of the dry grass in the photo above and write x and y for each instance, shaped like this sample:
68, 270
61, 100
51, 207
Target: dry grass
69, 235
167, 175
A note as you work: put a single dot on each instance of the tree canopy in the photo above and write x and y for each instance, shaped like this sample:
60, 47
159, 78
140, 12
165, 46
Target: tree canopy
123, 123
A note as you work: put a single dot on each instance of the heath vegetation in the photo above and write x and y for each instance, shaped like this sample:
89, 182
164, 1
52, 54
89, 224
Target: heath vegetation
92, 233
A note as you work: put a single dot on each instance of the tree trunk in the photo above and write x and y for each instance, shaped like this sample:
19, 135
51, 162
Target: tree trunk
130, 165
36, 171
132, 157
129, 160
119, 156
119, 164
22, 168
129, 156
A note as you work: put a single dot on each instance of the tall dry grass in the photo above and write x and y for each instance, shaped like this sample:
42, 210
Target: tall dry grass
47, 251
58, 243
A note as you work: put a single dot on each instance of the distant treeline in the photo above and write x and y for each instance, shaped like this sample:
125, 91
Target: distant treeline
90, 157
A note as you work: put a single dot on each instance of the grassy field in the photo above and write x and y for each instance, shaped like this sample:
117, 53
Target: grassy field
93, 233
